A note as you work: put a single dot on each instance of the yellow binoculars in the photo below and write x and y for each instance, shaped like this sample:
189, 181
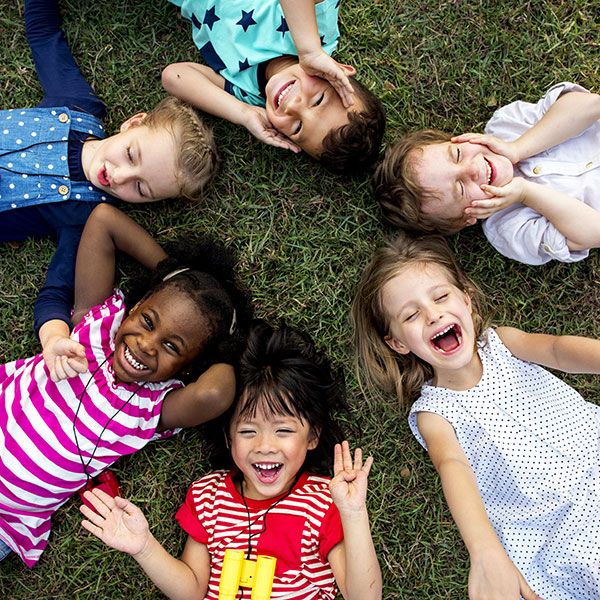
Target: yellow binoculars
256, 574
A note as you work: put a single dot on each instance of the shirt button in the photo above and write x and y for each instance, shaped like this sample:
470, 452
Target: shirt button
63, 117
537, 170
589, 165
546, 248
63, 189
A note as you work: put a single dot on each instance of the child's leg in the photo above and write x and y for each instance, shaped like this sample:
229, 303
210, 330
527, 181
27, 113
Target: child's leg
5, 550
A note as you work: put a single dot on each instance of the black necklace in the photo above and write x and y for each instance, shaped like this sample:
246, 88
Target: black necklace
84, 464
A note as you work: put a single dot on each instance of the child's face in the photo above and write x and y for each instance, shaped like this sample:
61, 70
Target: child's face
135, 165
453, 174
269, 451
305, 108
430, 317
158, 338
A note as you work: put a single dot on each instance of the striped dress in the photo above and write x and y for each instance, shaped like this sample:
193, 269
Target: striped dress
299, 531
40, 466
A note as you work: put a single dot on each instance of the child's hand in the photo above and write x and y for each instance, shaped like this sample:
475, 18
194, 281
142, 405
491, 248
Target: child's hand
500, 198
320, 64
349, 484
118, 523
494, 577
495, 144
64, 358
256, 122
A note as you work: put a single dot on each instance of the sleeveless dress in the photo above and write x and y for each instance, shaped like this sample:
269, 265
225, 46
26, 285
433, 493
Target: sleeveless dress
533, 444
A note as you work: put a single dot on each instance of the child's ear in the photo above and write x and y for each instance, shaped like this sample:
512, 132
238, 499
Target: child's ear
133, 121
348, 69
396, 345
315, 434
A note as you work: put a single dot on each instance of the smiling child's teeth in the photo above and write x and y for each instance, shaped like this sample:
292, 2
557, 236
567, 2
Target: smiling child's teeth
134, 363
284, 93
440, 333
488, 169
261, 466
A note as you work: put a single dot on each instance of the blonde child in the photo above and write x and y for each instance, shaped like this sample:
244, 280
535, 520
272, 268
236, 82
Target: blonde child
58, 432
515, 447
532, 179
272, 499
56, 163
269, 69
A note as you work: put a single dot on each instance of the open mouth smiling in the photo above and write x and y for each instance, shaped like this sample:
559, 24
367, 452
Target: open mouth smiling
447, 340
489, 169
138, 366
283, 92
267, 472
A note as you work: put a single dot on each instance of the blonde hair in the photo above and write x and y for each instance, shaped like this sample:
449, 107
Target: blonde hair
197, 160
398, 191
403, 374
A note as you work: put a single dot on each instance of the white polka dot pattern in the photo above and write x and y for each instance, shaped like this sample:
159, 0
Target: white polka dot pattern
533, 443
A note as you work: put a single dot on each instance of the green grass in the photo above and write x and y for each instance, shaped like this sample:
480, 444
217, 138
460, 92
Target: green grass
303, 237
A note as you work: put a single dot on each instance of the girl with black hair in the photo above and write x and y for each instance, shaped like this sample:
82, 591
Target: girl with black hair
111, 386
274, 502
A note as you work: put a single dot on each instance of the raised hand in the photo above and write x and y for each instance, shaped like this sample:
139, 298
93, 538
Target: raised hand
256, 122
64, 358
499, 198
117, 522
349, 484
494, 577
320, 64
495, 144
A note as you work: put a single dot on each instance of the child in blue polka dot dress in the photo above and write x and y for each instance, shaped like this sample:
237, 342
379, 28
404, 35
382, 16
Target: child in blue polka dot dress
56, 164
517, 449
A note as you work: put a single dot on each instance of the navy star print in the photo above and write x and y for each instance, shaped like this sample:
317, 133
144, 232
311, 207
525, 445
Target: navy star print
210, 18
246, 20
243, 64
283, 27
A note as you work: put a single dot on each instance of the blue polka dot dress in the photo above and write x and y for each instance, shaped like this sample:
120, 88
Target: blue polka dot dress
533, 443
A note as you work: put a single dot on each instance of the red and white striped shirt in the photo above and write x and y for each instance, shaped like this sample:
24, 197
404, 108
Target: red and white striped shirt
299, 531
40, 467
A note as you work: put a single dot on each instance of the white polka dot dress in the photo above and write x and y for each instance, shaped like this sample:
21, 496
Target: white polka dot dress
533, 443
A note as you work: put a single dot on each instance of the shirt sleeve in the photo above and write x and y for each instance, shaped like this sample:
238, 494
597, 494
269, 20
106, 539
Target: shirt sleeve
189, 521
61, 78
55, 298
331, 532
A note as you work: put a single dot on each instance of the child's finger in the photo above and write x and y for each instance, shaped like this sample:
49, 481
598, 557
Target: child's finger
346, 456
93, 529
337, 459
368, 464
358, 459
59, 370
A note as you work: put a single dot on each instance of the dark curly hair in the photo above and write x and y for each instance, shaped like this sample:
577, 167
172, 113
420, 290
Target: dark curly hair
204, 270
281, 372
354, 147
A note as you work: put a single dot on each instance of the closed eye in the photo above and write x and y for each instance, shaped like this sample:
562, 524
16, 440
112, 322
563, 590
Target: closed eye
412, 316
297, 130
139, 189
285, 431
441, 298
129, 155
319, 100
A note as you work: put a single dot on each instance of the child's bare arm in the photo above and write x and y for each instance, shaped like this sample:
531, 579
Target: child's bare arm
201, 87
568, 353
63, 356
353, 561
302, 21
492, 575
121, 525
204, 399
106, 231
571, 114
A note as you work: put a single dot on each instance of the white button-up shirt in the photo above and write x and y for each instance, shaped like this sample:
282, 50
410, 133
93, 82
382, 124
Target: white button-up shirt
518, 231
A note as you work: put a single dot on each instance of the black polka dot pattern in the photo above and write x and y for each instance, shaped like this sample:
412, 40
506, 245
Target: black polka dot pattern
533, 443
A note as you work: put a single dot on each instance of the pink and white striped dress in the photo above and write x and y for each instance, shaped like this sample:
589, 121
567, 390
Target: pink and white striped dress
40, 467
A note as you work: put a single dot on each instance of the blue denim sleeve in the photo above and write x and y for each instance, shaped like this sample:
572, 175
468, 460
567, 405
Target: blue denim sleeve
55, 298
61, 78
